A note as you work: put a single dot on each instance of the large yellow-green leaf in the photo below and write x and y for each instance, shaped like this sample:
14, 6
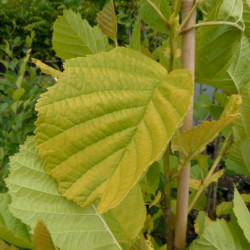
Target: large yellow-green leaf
220, 235
151, 17
73, 37
35, 197
12, 229
216, 45
240, 150
246, 16
193, 141
106, 121
107, 20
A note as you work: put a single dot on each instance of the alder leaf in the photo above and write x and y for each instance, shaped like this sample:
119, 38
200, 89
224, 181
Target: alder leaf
152, 18
193, 141
74, 37
110, 117
220, 235
47, 69
238, 73
215, 45
35, 197
12, 229
42, 238
107, 20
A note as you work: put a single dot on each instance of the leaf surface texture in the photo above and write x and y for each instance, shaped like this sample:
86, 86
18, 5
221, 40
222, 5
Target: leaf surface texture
35, 197
110, 117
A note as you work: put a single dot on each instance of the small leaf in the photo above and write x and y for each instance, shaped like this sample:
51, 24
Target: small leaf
195, 184
107, 20
156, 200
201, 222
18, 93
152, 18
200, 106
74, 37
193, 141
122, 99
135, 42
224, 208
150, 182
42, 238
47, 69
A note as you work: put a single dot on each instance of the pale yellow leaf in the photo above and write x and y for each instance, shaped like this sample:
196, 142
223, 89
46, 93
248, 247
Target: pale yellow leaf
47, 69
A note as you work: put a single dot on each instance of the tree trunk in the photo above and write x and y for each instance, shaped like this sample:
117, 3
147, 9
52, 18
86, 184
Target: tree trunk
188, 62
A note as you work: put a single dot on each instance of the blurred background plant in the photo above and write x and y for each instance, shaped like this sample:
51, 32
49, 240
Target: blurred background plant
20, 86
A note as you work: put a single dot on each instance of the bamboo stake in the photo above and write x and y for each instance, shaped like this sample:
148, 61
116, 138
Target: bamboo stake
188, 62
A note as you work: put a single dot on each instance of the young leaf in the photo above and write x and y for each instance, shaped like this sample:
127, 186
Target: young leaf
111, 117
135, 42
150, 182
151, 17
216, 44
107, 20
12, 229
47, 69
42, 238
193, 141
196, 183
224, 208
35, 197
201, 222
73, 37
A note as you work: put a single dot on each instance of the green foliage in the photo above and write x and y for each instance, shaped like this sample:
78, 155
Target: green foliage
222, 235
18, 18
35, 197
216, 44
20, 87
12, 229
103, 130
